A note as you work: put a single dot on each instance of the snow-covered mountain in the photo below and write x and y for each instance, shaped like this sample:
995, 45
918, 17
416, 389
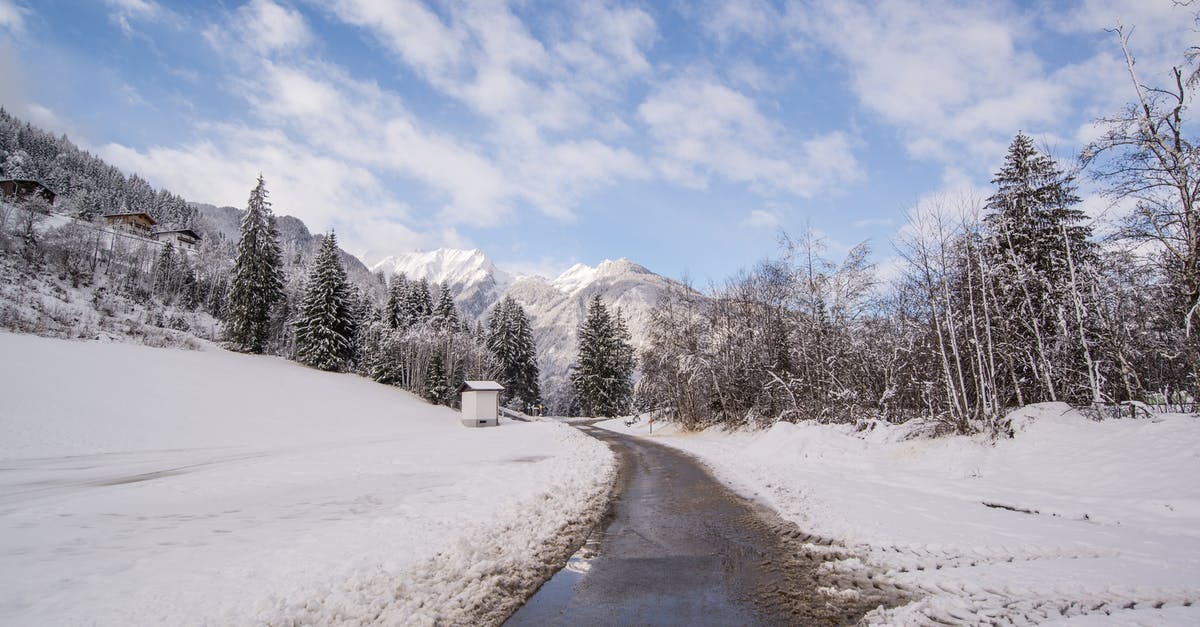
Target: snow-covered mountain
473, 279
556, 307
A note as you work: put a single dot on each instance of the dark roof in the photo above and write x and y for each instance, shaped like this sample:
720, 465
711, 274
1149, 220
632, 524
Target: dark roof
480, 386
132, 213
187, 232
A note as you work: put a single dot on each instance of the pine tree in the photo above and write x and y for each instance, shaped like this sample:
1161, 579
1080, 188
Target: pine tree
510, 338
437, 386
1033, 203
528, 389
394, 308
418, 306
445, 314
1038, 245
257, 279
166, 271
325, 325
605, 364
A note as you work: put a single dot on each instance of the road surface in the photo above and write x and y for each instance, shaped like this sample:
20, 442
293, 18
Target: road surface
680, 548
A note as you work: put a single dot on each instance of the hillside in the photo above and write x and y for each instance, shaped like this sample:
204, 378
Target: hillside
181, 487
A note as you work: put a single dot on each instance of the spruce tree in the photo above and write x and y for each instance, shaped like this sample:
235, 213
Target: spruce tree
510, 338
257, 279
166, 271
1038, 241
418, 306
394, 308
1034, 203
445, 314
437, 385
325, 325
603, 371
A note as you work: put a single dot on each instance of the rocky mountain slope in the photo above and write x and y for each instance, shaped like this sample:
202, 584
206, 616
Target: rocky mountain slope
556, 307
475, 281
224, 224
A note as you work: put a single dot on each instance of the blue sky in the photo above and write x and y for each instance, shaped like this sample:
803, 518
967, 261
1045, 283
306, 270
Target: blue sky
682, 135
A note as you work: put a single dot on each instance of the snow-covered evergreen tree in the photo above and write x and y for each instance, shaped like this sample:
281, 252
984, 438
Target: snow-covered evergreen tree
1037, 253
326, 322
394, 309
418, 306
166, 271
437, 385
605, 366
510, 338
256, 284
445, 314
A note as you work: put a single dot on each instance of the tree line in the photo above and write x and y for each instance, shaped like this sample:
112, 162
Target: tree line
999, 301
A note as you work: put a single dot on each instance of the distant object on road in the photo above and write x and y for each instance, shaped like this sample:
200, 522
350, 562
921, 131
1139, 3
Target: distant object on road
480, 403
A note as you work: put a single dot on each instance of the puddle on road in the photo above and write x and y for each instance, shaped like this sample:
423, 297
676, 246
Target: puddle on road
554, 595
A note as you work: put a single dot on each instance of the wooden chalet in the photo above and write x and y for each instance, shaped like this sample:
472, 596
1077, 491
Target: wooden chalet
17, 190
138, 223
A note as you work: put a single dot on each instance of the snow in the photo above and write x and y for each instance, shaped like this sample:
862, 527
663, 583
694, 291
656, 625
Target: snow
450, 265
1085, 518
157, 486
575, 278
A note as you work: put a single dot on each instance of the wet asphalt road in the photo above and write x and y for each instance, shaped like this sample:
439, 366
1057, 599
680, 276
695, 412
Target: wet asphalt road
680, 548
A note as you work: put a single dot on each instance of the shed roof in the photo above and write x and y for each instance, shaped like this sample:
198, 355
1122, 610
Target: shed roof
480, 386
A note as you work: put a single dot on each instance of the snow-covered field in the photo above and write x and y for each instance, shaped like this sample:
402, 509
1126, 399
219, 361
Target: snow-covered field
160, 486
1071, 522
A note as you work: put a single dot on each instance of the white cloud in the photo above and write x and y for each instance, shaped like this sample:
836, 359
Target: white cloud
324, 192
12, 16
545, 102
326, 112
945, 82
703, 128
123, 11
729, 19
762, 219
269, 27
869, 222
959, 80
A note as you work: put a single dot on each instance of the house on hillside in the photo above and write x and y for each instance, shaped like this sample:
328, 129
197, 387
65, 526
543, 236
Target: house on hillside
17, 190
184, 239
137, 223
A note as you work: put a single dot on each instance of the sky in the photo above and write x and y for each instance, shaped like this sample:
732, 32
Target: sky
684, 135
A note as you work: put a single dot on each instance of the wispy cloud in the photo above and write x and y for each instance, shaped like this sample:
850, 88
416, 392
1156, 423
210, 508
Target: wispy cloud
123, 12
12, 16
762, 219
705, 128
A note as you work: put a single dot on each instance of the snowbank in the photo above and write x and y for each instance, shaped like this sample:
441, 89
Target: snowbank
1071, 517
155, 486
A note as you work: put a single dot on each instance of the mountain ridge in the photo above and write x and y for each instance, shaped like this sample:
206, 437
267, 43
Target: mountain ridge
556, 306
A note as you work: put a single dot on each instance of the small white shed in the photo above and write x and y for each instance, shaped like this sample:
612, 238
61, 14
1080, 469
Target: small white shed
480, 403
